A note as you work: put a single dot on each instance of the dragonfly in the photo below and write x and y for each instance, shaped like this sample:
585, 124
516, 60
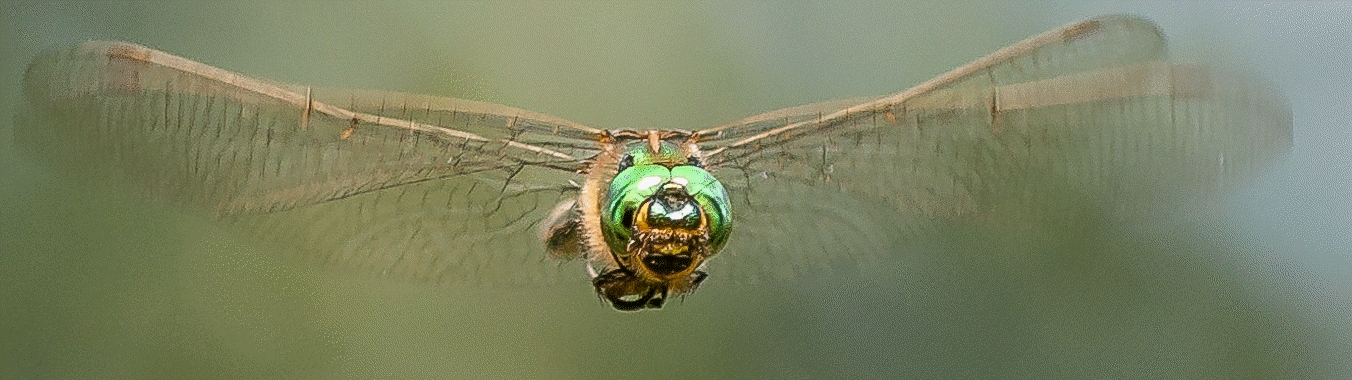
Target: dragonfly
439, 189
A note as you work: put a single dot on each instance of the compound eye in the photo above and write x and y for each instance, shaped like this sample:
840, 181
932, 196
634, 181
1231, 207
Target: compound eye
694, 161
626, 161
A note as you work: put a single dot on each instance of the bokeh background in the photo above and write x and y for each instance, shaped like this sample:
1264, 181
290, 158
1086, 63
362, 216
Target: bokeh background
1256, 283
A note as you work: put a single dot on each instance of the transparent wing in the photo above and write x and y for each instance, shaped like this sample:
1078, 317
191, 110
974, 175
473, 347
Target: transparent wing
1094, 110
410, 186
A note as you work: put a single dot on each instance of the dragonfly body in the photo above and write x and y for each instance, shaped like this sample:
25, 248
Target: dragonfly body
442, 189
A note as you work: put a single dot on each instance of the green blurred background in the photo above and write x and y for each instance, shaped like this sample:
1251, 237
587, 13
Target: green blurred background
1255, 284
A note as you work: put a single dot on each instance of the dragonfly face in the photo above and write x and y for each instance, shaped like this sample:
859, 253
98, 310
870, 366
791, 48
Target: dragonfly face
661, 216
442, 190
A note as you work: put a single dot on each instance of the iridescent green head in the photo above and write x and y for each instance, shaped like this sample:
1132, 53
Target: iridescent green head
663, 217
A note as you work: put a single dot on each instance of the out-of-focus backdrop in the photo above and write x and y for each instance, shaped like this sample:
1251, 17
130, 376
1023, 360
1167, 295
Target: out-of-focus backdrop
1254, 284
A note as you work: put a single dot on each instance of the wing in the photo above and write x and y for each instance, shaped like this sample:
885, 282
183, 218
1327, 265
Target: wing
411, 186
1093, 110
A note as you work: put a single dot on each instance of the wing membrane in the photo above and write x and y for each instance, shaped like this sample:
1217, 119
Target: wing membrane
1093, 110
407, 185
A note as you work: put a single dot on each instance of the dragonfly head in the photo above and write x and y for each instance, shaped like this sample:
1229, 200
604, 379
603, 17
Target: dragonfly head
668, 243
664, 219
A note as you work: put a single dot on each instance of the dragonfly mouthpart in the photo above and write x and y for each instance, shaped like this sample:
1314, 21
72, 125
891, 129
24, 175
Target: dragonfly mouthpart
668, 264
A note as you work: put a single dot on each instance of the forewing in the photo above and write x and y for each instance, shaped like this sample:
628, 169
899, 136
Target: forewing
409, 186
1093, 110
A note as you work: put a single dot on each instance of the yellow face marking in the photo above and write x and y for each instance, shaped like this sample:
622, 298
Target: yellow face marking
671, 249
